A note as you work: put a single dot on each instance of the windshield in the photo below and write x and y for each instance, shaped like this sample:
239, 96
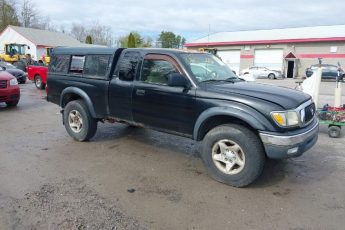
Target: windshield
207, 67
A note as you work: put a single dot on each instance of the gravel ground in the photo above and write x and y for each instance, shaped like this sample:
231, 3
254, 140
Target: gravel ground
67, 205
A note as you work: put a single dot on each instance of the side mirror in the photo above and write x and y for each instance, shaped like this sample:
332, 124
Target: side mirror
178, 80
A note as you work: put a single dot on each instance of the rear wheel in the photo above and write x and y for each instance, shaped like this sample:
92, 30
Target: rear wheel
78, 121
38, 82
233, 155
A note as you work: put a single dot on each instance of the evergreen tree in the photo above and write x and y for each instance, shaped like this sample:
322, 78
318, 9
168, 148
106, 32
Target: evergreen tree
88, 39
131, 41
170, 40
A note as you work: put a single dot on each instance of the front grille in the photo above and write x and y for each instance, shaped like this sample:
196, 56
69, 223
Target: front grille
309, 113
3, 84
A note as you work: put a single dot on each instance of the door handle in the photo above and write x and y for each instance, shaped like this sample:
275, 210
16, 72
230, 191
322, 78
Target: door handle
140, 92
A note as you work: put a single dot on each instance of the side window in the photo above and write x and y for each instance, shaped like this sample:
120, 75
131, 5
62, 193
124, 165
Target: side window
96, 65
59, 64
128, 66
157, 71
77, 64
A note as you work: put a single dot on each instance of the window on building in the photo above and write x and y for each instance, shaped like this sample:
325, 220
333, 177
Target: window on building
77, 64
59, 64
96, 65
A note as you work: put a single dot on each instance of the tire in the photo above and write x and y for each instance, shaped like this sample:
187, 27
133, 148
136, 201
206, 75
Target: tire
12, 103
248, 148
22, 81
38, 82
334, 131
88, 126
271, 76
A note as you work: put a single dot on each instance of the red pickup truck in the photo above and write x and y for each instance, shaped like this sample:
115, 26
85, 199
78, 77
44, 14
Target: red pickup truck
38, 74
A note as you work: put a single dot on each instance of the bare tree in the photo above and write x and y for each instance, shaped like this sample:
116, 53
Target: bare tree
78, 31
101, 35
29, 14
30, 17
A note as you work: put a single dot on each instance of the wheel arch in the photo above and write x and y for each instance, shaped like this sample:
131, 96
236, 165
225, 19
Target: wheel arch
222, 115
73, 93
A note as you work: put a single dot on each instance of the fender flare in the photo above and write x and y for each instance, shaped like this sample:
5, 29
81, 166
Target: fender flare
250, 116
82, 94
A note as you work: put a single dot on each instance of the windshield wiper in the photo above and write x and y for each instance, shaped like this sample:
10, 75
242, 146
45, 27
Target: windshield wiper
230, 79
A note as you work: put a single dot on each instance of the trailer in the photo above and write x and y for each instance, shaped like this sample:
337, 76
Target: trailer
334, 117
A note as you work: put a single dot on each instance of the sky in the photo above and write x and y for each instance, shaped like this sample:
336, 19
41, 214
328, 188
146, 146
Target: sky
192, 19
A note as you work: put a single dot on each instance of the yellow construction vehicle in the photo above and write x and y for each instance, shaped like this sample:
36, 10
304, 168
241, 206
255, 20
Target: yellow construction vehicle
46, 57
16, 54
209, 50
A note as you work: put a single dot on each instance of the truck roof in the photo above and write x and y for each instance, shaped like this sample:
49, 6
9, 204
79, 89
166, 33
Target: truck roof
105, 50
83, 50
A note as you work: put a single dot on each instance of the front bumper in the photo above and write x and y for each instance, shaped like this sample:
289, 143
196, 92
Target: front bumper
293, 144
9, 94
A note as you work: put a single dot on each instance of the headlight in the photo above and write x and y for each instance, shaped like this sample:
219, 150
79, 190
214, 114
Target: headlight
286, 119
13, 81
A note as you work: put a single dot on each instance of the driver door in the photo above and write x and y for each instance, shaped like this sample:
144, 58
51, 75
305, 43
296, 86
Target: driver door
158, 105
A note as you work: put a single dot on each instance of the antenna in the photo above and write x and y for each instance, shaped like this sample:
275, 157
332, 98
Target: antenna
208, 34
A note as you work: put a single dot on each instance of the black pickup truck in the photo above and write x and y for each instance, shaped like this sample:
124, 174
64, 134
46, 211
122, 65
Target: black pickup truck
186, 93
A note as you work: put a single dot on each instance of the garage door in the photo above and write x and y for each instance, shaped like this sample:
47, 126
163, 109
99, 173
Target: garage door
272, 59
231, 58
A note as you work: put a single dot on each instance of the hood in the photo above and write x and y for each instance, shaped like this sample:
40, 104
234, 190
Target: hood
4, 75
15, 72
285, 97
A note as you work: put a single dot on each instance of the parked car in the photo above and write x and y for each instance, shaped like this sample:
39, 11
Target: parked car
262, 72
240, 123
38, 74
9, 89
18, 73
329, 72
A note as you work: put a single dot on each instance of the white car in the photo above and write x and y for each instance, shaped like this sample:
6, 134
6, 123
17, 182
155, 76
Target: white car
262, 72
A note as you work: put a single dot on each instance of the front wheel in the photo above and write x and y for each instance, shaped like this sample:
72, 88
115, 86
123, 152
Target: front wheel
12, 103
271, 76
334, 131
233, 155
78, 121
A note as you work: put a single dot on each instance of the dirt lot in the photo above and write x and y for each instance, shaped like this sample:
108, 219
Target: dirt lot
132, 178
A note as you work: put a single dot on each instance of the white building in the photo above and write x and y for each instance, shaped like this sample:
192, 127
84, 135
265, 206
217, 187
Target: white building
36, 40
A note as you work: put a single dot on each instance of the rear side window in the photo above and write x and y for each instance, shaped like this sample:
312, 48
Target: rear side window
128, 66
77, 64
59, 64
96, 65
